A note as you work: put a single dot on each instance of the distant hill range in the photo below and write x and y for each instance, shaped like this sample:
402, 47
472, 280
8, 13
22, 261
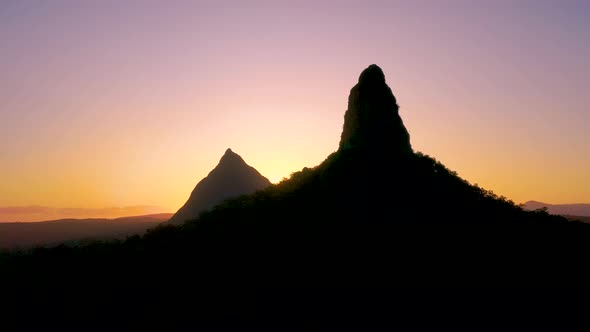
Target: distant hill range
37, 213
570, 210
24, 235
231, 178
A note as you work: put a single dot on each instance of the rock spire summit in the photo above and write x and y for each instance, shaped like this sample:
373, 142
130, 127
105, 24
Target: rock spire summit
372, 119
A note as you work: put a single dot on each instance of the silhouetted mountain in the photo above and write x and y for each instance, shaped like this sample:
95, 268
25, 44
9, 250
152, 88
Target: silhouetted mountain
560, 209
24, 235
231, 178
372, 119
373, 216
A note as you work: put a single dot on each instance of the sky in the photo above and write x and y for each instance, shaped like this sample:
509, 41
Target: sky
130, 103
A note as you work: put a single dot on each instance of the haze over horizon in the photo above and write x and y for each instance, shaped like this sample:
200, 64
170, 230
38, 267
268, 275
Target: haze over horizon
35, 213
121, 104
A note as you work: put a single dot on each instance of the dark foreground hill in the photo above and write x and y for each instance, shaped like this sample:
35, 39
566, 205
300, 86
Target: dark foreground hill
373, 230
231, 178
25, 235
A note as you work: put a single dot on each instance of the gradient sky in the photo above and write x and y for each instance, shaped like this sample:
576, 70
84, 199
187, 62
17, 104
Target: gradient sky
121, 103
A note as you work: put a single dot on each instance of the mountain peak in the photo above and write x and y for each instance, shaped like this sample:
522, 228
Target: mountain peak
231, 157
372, 74
372, 119
231, 177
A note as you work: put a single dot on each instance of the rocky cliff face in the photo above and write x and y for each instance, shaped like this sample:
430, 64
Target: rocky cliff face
232, 177
372, 120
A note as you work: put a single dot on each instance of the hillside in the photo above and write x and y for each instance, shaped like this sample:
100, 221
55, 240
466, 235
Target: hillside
374, 215
578, 218
21, 235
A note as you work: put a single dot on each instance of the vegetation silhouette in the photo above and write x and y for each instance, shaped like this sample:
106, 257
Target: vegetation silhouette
373, 215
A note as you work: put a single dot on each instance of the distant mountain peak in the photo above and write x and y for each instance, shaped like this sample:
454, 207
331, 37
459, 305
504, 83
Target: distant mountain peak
230, 157
372, 119
231, 178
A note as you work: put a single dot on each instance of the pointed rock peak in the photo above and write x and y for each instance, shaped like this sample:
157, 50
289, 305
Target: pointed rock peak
372, 75
232, 177
372, 119
231, 157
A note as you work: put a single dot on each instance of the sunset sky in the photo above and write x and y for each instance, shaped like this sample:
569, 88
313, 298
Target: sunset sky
125, 103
